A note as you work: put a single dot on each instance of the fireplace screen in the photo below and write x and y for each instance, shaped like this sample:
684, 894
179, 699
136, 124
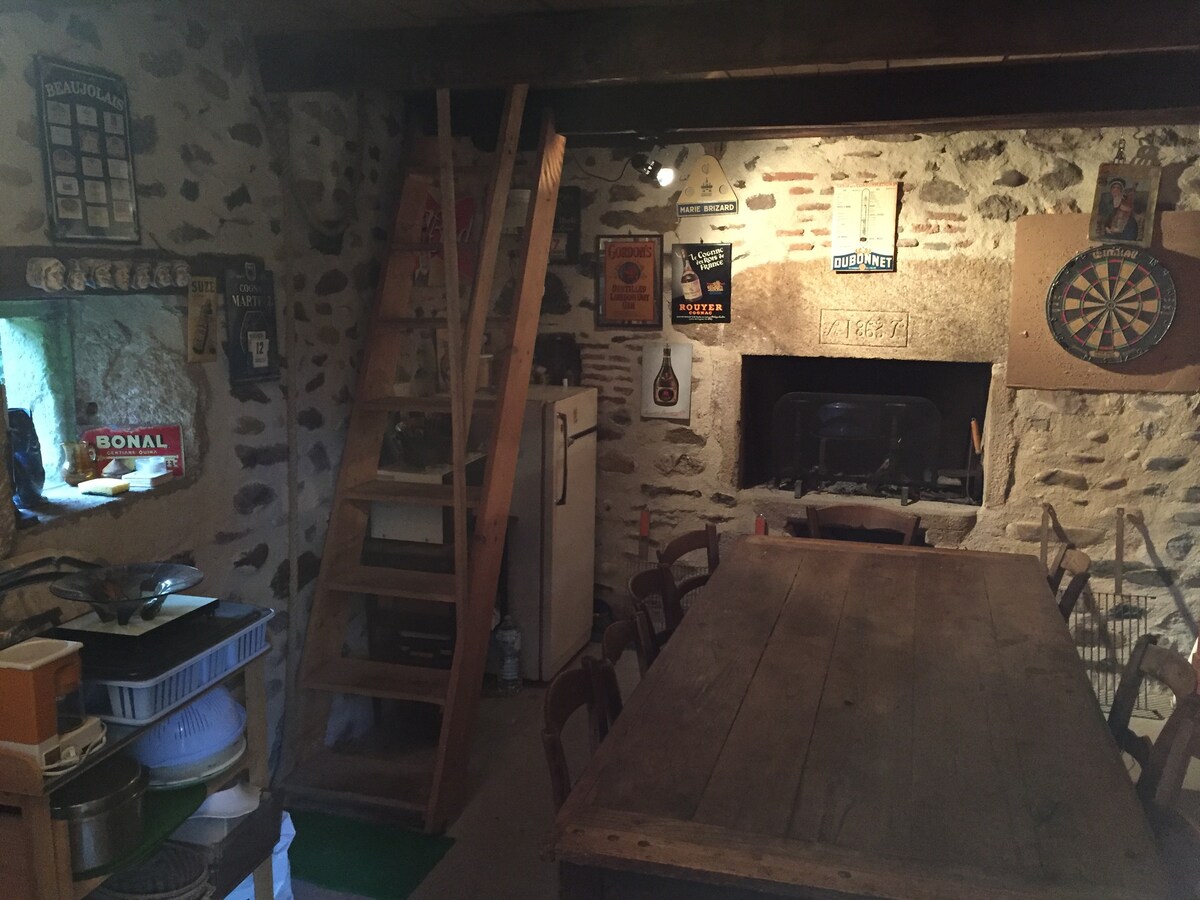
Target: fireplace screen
872, 439
822, 424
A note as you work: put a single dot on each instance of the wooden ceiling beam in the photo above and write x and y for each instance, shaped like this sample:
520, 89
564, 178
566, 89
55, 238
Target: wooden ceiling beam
1158, 88
724, 39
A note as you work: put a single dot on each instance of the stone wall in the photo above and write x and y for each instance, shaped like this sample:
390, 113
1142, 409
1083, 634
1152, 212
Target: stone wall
961, 194
221, 168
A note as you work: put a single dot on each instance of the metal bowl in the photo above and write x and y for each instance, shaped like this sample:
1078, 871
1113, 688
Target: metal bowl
117, 592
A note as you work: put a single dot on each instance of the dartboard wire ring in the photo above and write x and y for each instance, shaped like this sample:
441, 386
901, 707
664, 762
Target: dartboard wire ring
1110, 304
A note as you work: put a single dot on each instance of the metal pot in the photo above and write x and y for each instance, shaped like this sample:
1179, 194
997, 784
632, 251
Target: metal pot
103, 811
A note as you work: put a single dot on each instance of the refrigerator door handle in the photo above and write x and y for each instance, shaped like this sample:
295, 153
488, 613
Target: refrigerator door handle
566, 445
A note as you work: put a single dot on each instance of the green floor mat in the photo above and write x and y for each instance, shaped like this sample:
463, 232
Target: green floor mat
385, 862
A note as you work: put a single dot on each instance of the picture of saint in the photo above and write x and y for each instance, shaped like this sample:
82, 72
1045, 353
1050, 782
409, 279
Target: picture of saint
1125, 200
1116, 218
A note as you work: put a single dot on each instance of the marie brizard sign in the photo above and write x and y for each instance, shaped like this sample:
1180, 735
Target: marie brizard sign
88, 157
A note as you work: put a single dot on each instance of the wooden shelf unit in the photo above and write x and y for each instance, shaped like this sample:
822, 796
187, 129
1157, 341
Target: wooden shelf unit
39, 864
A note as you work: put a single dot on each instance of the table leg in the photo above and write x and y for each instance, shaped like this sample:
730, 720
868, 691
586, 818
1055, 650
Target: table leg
579, 882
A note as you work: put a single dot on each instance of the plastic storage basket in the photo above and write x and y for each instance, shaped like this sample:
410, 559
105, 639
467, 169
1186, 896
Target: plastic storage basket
141, 702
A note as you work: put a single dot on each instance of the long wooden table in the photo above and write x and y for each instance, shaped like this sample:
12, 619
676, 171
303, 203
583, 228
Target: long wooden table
839, 719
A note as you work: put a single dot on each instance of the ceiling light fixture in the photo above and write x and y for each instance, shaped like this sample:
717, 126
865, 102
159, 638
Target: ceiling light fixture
652, 169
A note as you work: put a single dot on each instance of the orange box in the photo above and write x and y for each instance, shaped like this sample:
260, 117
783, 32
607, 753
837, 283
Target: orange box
34, 674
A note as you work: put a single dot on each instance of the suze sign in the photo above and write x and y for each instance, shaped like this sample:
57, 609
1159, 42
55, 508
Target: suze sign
135, 441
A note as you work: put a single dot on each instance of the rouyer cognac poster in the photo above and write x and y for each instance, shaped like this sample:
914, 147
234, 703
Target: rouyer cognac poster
700, 283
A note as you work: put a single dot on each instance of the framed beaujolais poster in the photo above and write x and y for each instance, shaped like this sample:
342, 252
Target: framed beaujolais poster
629, 281
85, 138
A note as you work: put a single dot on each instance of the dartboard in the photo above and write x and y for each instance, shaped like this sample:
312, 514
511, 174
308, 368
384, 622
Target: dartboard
1111, 304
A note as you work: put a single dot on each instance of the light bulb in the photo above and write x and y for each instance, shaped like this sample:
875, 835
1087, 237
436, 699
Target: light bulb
665, 176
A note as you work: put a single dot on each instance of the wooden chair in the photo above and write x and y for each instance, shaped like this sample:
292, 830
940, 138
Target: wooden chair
593, 685
1163, 665
872, 521
705, 539
1160, 787
656, 586
636, 631
1077, 564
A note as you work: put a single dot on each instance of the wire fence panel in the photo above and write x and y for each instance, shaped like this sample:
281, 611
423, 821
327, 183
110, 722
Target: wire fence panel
1105, 627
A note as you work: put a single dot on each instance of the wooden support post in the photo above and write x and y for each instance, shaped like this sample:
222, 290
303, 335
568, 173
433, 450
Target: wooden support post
1119, 579
458, 398
489, 242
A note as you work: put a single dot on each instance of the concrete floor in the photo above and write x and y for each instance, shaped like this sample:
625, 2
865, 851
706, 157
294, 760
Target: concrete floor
501, 836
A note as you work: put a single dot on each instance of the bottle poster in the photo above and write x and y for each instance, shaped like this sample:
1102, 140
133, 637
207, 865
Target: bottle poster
430, 269
701, 278
666, 380
253, 340
629, 281
202, 319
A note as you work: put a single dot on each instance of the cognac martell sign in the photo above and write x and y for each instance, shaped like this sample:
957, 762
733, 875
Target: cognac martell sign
253, 344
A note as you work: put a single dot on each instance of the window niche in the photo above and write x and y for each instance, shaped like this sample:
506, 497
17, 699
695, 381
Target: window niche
77, 363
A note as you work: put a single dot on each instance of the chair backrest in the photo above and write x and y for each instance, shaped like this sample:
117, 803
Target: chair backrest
1161, 781
1078, 565
635, 631
658, 582
593, 685
861, 517
705, 539
1164, 666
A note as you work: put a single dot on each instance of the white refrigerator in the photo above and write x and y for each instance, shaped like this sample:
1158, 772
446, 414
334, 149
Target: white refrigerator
552, 542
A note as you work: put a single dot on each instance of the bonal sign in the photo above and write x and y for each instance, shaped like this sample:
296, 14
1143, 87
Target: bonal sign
137, 441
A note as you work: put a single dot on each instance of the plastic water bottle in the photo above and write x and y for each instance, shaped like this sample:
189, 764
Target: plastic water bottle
508, 639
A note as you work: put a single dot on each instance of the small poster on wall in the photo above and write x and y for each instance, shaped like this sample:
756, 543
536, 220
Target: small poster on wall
706, 191
864, 227
629, 281
88, 160
430, 269
253, 344
1123, 210
202, 319
667, 380
701, 279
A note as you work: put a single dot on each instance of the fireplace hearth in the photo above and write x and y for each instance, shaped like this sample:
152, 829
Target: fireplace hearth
886, 428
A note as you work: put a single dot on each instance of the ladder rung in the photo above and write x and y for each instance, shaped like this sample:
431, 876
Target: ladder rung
415, 247
482, 171
414, 493
372, 678
435, 403
400, 782
386, 582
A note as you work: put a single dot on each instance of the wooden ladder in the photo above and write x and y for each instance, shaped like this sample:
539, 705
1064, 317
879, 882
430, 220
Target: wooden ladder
421, 769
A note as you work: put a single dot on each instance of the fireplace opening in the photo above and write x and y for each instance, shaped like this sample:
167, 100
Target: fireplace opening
875, 427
